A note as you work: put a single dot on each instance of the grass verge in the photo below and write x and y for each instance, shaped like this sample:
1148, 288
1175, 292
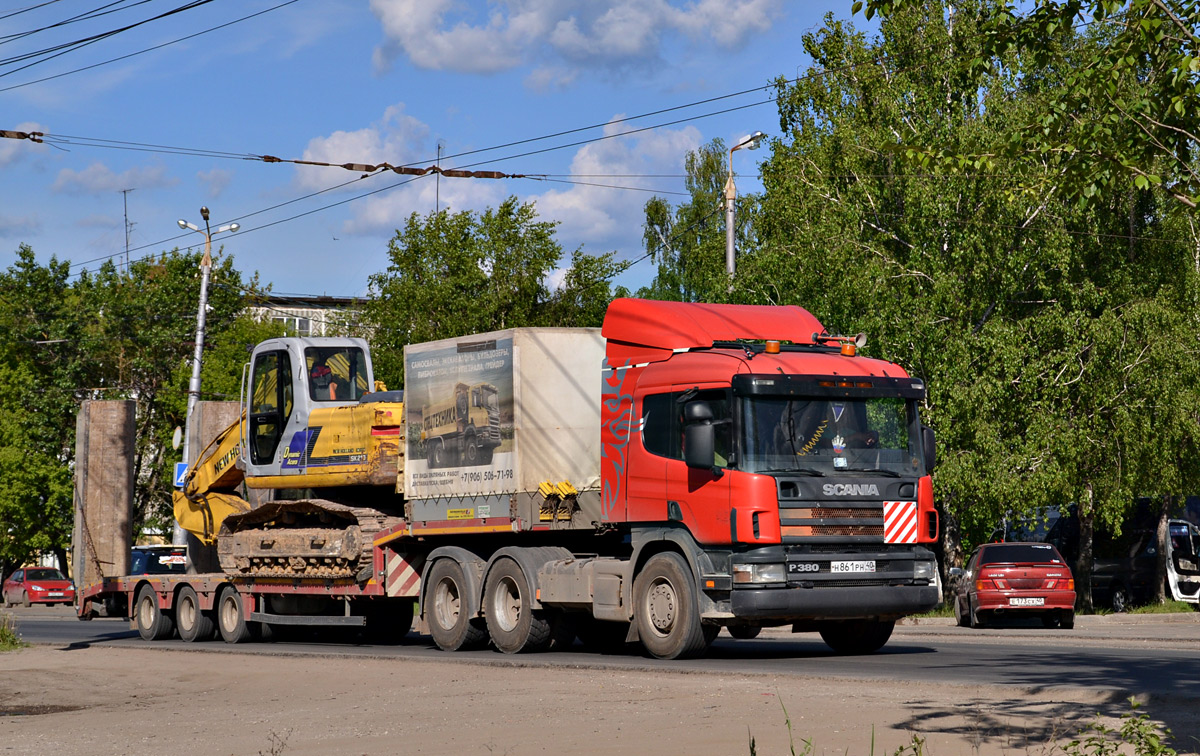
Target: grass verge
9, 640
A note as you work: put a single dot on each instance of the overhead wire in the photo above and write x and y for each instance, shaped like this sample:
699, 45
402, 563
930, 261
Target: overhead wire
103, 10
150, 49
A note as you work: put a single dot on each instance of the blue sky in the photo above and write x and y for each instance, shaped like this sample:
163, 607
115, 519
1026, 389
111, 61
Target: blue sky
368, 82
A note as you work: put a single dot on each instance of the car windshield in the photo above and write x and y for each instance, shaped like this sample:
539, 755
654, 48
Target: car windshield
831, 436
44, 574
1009, 553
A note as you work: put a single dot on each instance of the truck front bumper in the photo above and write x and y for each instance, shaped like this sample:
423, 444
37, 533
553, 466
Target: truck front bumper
796, 603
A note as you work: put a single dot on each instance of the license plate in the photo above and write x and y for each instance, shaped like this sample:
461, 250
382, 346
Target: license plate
866, 566
1029, 601
56, 594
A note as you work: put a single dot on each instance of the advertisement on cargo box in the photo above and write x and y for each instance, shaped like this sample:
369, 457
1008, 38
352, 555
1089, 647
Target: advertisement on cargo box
458, 396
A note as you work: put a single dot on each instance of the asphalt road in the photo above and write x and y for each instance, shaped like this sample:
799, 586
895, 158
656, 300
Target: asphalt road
1144, 654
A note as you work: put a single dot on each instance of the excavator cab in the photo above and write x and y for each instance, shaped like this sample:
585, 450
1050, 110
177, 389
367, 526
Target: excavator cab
289, 378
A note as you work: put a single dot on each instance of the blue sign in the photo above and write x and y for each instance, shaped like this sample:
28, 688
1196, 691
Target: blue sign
180, 473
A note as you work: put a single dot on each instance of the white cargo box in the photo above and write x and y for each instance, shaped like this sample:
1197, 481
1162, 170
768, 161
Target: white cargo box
499, 413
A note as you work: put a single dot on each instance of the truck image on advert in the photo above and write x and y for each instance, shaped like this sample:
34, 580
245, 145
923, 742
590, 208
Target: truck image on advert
685, 468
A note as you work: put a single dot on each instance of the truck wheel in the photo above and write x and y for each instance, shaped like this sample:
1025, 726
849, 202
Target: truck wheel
854, 637
485, 457
511, 622
450, 623
744, 632
666, 610
194, 623
152, 622
231, 619
471, 451
437, 455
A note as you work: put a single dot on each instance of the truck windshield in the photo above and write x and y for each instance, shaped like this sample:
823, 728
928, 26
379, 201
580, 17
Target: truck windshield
831, 436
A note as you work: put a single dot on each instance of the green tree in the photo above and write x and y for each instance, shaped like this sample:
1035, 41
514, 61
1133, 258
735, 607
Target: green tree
452, 274
1124, 114
43, 364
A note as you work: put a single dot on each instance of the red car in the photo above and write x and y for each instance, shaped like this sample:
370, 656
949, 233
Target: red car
1015, 579
37, 585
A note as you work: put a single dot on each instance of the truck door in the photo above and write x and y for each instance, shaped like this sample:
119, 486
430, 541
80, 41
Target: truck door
270, 404
701, 498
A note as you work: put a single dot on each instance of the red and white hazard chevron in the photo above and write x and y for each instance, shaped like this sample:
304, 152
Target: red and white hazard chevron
403, 576
899, 522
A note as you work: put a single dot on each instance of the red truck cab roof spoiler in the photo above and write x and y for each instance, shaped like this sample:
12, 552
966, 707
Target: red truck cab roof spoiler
643, 330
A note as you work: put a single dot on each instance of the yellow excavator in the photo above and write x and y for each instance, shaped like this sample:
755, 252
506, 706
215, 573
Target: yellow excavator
321, 443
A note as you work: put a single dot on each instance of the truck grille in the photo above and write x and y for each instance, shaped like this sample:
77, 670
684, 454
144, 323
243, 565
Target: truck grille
806, 515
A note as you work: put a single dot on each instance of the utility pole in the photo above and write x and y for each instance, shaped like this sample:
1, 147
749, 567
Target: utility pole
128, 226
750, 143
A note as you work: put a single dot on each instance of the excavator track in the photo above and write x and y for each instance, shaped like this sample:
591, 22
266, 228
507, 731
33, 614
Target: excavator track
310, 538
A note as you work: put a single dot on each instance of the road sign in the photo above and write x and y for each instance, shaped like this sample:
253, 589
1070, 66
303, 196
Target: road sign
180, 473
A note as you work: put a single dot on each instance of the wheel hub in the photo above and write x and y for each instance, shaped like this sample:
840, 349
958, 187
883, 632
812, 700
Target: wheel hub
661, 604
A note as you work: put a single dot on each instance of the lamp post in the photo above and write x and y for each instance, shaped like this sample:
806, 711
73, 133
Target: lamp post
751, 142
178, 537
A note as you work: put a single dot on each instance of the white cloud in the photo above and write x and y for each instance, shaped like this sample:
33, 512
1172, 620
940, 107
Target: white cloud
216, 180
98, 178
397, 138
12, 150
386, 212
607, 218
436, 34
14, 226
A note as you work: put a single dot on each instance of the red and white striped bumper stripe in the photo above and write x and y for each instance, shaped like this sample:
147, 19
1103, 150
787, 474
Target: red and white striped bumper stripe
899, 522
403, 576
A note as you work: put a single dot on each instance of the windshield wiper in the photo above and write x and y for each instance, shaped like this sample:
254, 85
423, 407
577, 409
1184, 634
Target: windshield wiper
798, 470
880, 471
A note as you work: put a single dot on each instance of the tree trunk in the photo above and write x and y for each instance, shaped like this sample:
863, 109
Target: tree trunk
1084, 562
1160, 566
60, 556
951, 546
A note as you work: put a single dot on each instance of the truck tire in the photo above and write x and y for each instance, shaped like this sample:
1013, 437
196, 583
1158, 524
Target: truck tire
194, 623
744, 632
471, 450
512, 623
450, 623
666, 609
856, 637
152, 622
231, 617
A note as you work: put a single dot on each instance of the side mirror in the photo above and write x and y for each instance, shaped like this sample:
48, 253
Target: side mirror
929, 441
957, 573
699, 437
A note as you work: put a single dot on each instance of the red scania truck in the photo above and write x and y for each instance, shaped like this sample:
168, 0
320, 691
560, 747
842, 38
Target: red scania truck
685, 468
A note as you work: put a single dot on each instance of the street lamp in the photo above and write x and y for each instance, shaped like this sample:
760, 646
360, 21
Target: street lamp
178, 537
752, 142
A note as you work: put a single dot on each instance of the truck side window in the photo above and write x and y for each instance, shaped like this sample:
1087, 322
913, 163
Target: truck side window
656, 423
270, 404
662, 424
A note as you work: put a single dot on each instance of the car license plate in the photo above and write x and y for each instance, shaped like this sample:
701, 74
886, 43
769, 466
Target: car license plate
864, 566
1027, 601
56, 594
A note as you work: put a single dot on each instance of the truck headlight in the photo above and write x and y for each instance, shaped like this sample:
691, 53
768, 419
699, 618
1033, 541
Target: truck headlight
758, 573
923, 571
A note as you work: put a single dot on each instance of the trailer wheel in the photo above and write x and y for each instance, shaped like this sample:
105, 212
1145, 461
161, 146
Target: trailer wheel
194, 623
855, 637
515, 626
666, 609
152, 622
231, 619
450, 623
